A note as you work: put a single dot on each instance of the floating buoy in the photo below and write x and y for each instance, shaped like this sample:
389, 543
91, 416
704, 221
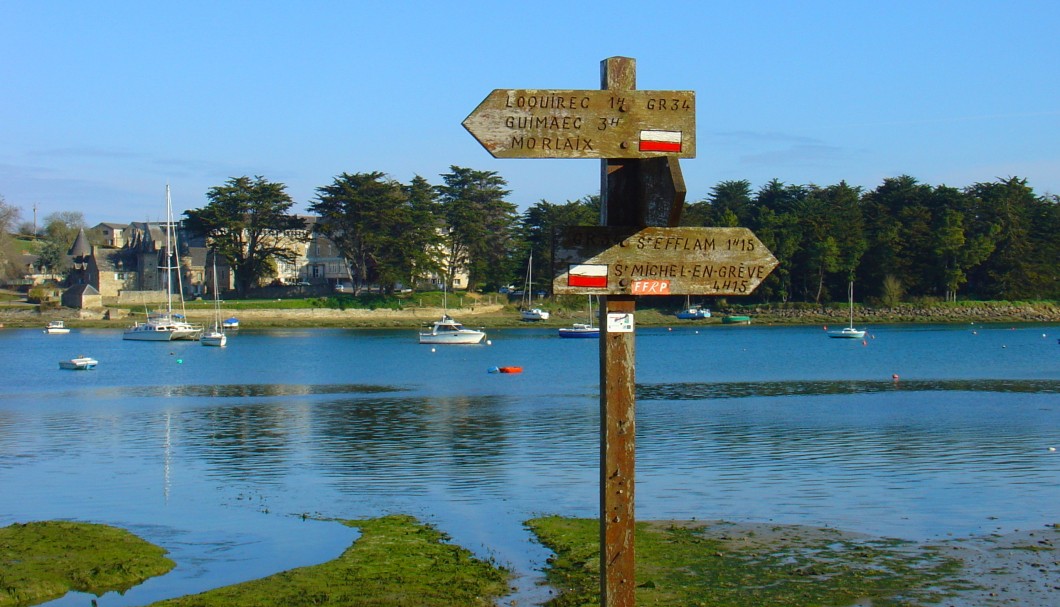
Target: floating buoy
825, 327
489, 342
433, 350
180, 361
504, 370
864, 343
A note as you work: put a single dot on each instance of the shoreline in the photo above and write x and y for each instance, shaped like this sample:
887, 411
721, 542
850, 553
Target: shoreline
494, 316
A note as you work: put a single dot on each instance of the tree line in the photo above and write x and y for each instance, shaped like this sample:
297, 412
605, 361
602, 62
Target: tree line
902, 240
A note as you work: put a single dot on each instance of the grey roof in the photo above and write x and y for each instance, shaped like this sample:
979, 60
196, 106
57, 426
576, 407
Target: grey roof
83, 289
197, 256
81, 247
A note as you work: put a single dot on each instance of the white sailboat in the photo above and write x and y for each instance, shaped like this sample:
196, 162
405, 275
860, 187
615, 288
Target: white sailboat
215, 335
167, 325
528, 312
849, 332
580, 329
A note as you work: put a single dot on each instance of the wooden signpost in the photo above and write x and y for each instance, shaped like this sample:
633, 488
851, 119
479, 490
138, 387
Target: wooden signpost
531, 123
659, 261
639, 136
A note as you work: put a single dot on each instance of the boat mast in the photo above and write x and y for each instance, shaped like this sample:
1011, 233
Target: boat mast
169, 254
850, 296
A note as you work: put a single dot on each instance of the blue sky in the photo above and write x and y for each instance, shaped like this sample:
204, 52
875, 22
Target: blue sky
105, 102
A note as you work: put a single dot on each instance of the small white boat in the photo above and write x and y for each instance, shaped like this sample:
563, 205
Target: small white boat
81, 363
849, 332
56, 327
534, 314
215, 335
581, 329
527, 312
448, 331
230, 323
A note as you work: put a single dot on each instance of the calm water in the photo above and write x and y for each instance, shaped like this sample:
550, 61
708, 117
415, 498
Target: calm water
216, 454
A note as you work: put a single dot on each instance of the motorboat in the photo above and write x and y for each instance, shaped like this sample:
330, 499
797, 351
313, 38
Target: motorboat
80, 363
167, 325
448, 331
736, 319
849, 332
56, 327
230, 324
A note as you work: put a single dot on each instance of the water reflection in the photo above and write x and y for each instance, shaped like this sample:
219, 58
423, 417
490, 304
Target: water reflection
703, 391
216, 391
225, 446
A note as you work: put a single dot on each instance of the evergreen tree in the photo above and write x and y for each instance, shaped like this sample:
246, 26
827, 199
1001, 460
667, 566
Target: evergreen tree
479, 224
247, 222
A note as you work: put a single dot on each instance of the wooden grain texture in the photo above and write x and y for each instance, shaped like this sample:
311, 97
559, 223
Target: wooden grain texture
538, 123
691, 261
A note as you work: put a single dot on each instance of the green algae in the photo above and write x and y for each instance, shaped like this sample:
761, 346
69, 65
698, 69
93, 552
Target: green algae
42, 561
396, 562
729, 566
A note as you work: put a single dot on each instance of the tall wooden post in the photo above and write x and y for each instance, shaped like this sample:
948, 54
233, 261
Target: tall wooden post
619, 204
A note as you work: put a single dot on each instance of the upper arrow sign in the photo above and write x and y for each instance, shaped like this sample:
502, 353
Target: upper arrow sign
531, 123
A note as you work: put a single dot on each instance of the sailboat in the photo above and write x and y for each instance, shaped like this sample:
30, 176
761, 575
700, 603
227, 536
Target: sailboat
693, 312
448, 331
849, 332
215, 336
580, 329
166, 326
527, 312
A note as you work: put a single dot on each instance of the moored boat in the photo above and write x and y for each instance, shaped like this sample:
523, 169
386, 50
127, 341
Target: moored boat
526, 311
166, 326
79, 363
849, 332
215, 335
56, 327
448, 331
694, 313
534, 314
581, 329
736, 319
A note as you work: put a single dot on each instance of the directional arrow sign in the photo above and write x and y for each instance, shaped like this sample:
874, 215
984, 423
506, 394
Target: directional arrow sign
659, 261
532, 123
